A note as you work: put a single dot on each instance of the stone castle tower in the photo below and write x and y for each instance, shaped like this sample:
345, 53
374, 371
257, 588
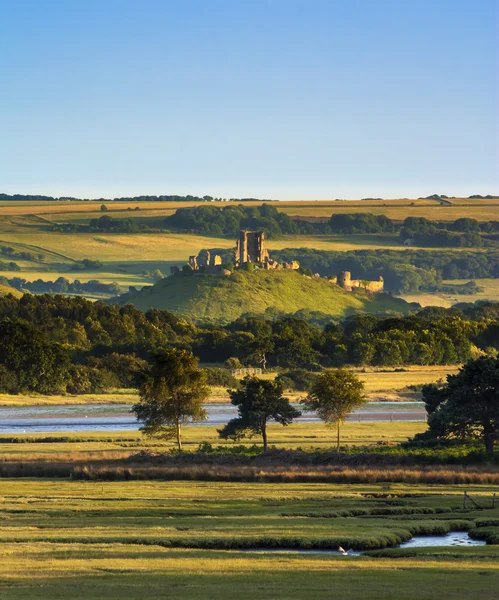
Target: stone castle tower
251, 247
345, 280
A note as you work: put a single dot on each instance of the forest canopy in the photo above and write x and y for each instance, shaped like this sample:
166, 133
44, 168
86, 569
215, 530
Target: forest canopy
57, 344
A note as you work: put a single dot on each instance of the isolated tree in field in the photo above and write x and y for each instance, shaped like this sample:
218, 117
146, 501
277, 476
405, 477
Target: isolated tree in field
103, 208
258, 401
171, 392
333, 395
467, 406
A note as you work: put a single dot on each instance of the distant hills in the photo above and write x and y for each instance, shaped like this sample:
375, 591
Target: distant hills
206, 298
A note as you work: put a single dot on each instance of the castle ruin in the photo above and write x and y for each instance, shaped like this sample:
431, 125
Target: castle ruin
345, 281
251, 248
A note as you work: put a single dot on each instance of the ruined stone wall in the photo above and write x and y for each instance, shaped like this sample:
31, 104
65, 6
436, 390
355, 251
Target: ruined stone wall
370, 286
344, 280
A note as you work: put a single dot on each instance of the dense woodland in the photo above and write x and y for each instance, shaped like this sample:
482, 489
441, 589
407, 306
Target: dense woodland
57, 344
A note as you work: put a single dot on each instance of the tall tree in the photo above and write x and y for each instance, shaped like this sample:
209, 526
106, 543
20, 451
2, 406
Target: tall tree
258, 401
171, 392
468, 404
333, 395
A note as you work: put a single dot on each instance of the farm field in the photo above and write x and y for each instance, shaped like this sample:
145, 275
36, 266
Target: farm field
398, 209
490, 291
116, 540
176, 247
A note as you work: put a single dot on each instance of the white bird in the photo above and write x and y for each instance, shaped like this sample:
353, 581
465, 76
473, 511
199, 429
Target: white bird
343, 551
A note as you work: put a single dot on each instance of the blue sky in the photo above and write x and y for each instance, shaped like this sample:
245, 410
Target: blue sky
269, 98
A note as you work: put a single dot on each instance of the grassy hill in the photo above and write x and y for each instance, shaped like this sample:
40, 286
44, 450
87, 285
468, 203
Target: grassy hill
203, 298
6, 289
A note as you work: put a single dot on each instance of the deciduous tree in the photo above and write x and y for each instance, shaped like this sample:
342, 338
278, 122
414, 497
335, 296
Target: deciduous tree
468, 404
258, 401
171, 392
334, 394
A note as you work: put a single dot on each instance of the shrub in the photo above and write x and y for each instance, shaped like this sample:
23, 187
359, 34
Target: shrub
220, 377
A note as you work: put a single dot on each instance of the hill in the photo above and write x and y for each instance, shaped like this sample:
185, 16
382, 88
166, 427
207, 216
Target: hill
210, 298
7, 289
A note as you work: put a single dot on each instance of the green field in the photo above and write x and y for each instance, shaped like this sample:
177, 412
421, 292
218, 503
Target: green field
102, 446
207, 298
68, 539
7, 289
490, 291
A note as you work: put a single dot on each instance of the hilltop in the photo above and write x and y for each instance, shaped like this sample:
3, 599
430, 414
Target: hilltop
203, 297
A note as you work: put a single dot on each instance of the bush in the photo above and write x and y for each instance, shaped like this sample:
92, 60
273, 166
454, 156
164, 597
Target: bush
220, 377
297, 379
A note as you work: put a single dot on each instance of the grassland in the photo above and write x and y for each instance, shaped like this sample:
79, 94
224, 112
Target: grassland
79, 446
490, 291
7, 289
150, 539
205, 298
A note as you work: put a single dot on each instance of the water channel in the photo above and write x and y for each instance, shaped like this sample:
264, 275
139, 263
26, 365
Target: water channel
453, 538
118, 417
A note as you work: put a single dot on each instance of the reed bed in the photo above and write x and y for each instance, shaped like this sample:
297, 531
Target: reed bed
279, 474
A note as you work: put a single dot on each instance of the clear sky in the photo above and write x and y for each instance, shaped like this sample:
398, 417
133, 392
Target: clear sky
269, 98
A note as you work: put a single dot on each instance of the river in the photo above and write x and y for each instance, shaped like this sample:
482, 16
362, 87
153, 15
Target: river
118, 417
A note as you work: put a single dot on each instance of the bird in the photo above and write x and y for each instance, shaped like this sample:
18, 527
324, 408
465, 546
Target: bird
343, 551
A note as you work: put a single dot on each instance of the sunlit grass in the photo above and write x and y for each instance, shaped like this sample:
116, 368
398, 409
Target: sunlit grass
79, 445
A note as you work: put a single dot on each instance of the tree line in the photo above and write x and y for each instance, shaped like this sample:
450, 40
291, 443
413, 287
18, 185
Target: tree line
62, 286
160, 198
58, 344
229, 220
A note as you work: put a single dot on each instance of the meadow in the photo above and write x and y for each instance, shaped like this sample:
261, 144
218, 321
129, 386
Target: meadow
489, 291
113, 540
119, 444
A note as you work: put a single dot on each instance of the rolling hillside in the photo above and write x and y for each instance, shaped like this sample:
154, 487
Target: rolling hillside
205, 298
7, 289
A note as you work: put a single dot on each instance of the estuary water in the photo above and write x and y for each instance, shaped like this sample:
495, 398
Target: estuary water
118, 417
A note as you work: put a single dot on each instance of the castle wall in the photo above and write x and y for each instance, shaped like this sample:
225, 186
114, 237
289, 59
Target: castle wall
370, 286
345, 281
